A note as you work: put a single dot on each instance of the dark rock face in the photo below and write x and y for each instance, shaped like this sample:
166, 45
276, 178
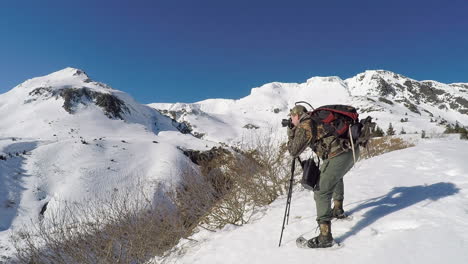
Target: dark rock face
412, 107
73, 96
41, 91
430, 93
427, 92
173, 114
412, 93
183, 126
111, 105
251, 126
385, 88
462, 101
382, 99
203, 157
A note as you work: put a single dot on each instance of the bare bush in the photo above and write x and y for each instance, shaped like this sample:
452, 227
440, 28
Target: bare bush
251, 178
381, 145
123, 229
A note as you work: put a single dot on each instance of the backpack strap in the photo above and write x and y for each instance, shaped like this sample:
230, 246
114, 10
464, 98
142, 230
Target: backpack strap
313, 127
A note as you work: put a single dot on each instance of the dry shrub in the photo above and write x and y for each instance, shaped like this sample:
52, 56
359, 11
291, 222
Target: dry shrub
123, 229
235, 182
194, 197
381, 145
207, 201
250, 178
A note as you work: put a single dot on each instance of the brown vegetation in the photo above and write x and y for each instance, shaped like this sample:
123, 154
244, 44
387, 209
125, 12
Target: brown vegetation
381, 145
123, 229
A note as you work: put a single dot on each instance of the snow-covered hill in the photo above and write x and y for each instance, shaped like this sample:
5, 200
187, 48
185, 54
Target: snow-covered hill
408, 206
64, 137
387, 96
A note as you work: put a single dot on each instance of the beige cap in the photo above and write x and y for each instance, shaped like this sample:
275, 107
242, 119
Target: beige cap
298, 110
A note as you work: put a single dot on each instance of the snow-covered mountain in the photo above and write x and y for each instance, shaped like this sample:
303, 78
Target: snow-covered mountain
387, 96
64, 137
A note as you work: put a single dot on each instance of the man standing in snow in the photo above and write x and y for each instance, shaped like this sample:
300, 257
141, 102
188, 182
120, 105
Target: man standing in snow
339, 160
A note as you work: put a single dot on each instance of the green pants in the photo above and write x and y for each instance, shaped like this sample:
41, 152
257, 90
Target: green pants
331, 183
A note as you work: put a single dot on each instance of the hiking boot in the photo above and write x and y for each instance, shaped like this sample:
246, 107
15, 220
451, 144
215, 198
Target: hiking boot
325, 239
337, 210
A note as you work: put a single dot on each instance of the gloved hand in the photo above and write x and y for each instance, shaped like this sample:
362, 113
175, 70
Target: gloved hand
291, 132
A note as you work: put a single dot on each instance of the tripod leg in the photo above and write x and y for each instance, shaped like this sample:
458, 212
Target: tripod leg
288, 201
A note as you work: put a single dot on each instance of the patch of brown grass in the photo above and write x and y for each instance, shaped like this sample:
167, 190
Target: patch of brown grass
381, 145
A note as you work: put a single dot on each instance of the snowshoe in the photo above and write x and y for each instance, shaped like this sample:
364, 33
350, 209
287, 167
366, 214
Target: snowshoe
302, 242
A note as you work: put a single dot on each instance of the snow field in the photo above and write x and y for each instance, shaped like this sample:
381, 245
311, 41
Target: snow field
408, 206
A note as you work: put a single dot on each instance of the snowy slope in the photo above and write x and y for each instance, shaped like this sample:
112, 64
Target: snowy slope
387, 96
408, 206
68, 138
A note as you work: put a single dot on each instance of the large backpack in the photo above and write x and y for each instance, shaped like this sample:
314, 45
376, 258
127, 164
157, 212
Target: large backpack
342, 122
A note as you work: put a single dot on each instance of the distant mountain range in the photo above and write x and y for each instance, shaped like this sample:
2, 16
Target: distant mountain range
389, 97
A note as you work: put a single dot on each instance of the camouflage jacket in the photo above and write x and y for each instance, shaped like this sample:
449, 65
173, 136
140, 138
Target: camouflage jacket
301, 137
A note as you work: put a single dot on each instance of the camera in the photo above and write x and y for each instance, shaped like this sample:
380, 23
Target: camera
287, 123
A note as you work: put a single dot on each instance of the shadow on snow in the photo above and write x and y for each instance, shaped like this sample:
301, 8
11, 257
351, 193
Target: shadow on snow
11, 181
398, 198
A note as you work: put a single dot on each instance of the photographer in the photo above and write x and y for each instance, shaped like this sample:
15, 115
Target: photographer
337, 158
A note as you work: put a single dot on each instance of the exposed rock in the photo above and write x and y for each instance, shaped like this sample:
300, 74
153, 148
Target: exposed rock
41, 91
384, 88
184, 127
112, 106
203, 157
385, 100
462, 101
430, 93
442, 106
412, 107
43, 209
430, 114
251, 126
453, 105
198, 135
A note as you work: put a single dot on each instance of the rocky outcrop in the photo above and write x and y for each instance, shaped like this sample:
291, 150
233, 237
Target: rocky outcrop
112, 106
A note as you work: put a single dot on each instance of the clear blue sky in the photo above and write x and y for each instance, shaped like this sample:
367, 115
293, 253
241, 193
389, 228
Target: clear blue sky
190, 50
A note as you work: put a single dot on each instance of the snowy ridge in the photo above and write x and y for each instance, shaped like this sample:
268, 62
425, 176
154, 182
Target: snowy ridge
387, 96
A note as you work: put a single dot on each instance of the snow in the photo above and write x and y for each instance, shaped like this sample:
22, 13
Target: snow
85, 155
408, 206
63, 156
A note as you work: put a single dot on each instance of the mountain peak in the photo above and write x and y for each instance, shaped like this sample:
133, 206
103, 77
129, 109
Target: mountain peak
69, 72
324, 79
383, 74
